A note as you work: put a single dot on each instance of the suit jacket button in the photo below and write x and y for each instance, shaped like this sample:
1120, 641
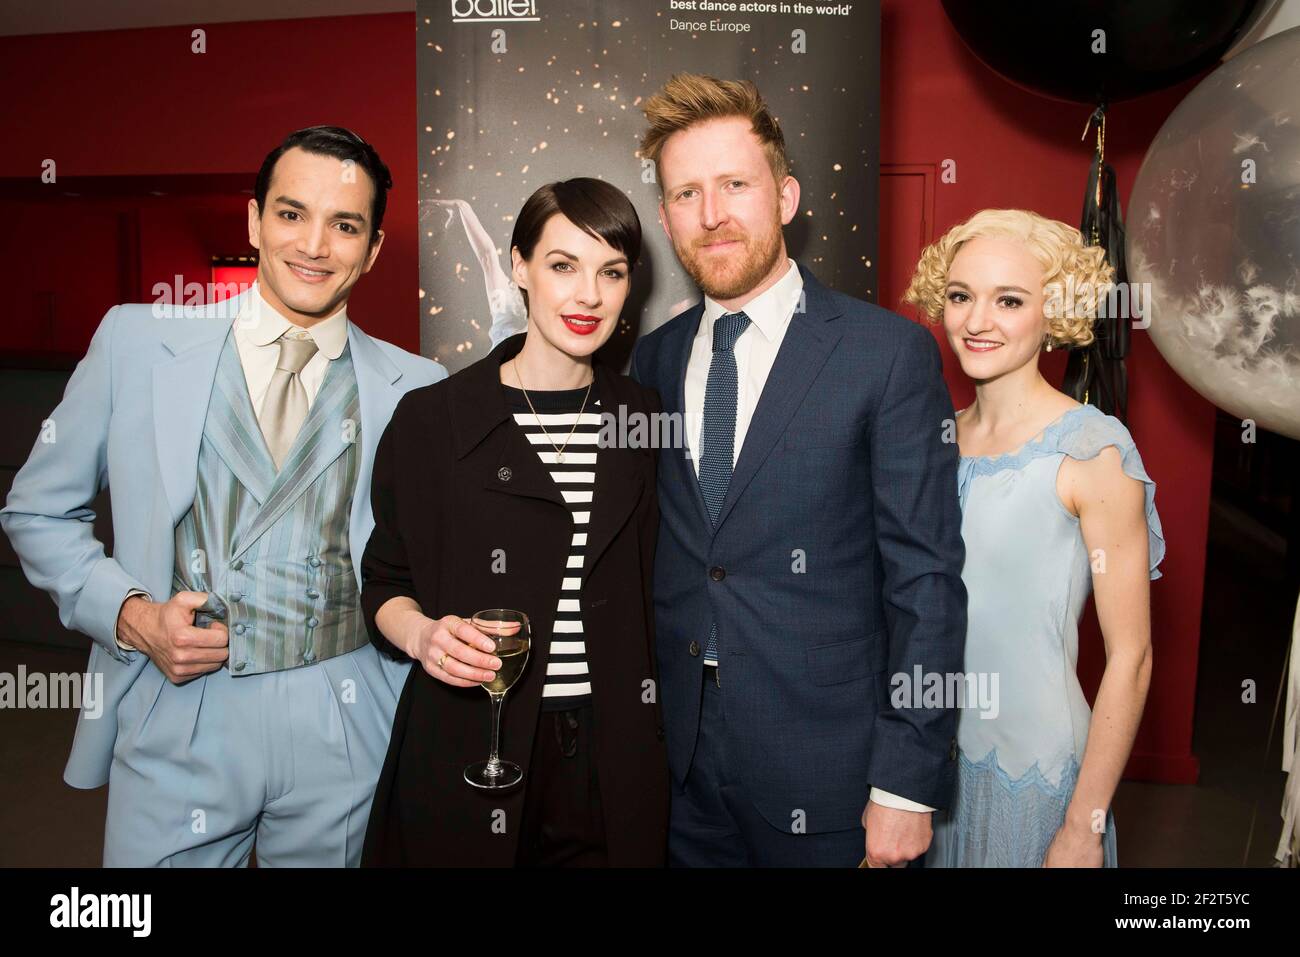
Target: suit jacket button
240, 628
236, 565
717, 573
694, 649
241, 665
504, 474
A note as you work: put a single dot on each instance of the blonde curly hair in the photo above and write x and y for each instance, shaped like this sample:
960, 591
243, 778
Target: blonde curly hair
1075, 276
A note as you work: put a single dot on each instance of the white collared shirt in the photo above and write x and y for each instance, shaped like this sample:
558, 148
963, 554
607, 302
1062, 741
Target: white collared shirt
257, 329
770, 313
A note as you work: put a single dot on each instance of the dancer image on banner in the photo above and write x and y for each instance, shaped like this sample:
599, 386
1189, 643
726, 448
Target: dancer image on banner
505, 304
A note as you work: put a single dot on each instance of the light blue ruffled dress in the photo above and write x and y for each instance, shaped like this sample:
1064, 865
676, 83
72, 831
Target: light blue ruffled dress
1027, 577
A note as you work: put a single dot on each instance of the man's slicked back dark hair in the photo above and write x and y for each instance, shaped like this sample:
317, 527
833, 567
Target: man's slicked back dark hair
343, 145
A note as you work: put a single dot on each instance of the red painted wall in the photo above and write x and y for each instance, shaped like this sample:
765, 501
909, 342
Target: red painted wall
132, 102
220, 112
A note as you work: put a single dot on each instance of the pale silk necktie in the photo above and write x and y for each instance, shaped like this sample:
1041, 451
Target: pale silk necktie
285, 406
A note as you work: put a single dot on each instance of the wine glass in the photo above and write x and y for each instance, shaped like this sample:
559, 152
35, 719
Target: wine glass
509, 631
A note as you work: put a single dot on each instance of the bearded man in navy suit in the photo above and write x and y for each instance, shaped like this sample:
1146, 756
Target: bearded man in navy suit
810, 541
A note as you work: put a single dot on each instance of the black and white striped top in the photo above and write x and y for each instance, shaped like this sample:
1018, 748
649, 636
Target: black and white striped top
568, 680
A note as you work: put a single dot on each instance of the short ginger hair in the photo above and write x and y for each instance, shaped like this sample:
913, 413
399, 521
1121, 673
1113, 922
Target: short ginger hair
691, 98
1075, 275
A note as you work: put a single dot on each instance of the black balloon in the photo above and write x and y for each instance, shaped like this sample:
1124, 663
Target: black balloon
1148, 44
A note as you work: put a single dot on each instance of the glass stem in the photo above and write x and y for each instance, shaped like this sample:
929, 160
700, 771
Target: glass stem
494, 761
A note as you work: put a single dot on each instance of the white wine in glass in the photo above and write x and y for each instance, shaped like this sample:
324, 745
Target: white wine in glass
509, 631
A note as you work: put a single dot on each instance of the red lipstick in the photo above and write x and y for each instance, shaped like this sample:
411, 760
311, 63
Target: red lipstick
580, 324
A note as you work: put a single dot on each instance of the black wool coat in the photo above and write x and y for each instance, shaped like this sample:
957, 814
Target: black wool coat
456, 492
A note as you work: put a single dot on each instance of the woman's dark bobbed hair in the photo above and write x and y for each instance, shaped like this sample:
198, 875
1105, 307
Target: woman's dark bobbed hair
590, 204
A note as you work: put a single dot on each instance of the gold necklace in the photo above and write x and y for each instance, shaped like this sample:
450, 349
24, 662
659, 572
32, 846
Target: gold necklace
559, 449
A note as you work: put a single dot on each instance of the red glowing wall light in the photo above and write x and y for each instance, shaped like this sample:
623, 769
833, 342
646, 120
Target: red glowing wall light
231, 275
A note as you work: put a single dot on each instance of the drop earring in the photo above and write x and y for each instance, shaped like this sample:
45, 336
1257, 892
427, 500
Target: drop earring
1049, 343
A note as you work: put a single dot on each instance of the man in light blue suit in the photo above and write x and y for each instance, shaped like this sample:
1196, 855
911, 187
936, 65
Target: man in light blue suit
243, 700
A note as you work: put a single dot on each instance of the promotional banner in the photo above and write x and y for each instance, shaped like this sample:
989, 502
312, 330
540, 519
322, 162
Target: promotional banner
514, 94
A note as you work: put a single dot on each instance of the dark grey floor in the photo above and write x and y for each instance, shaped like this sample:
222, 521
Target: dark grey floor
1247, 621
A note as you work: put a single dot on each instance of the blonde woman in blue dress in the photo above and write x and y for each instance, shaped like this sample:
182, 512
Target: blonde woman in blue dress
1055, 504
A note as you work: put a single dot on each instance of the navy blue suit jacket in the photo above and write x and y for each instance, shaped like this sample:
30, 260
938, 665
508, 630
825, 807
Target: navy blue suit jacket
834, 564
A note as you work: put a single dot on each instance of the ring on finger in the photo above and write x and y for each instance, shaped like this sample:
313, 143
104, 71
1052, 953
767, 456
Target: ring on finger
441, 660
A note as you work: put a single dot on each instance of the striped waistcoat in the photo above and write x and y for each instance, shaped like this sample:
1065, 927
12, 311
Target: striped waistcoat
271, 549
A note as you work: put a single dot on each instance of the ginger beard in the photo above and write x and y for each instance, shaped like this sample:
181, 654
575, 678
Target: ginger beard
731, 274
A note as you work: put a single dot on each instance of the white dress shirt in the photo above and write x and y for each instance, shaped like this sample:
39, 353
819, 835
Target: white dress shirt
770, 313
257, 329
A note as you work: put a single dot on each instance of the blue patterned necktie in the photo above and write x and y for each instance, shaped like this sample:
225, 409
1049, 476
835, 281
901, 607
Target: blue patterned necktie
718, 432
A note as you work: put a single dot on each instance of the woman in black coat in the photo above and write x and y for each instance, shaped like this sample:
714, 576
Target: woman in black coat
491, 490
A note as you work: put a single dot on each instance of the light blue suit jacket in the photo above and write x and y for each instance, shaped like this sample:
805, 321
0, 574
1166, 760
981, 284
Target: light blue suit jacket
131, 420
